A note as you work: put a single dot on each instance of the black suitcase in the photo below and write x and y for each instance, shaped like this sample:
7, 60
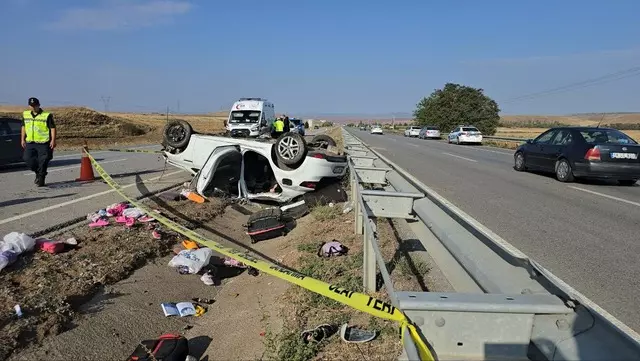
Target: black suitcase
266, 224
167, 347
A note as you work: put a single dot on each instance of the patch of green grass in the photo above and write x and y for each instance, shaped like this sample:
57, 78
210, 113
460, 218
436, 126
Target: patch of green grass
413, 267
308, 247
292, 348
342, 271
325, 213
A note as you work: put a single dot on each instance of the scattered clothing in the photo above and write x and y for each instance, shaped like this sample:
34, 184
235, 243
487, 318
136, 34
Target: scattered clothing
333, 248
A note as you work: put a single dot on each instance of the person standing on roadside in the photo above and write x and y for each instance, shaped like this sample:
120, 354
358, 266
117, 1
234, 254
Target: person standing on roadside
287, 126
38, 137
277, 128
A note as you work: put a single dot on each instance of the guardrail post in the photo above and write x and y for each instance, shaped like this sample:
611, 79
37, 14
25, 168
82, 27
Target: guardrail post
369, 259
359, 216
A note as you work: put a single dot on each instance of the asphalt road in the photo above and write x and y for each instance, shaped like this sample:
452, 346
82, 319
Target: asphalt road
27, 208
586, 233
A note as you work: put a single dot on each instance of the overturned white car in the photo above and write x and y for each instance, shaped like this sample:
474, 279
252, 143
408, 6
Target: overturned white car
279, 170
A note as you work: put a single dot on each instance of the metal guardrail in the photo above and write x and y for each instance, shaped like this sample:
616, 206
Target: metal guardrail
506, 306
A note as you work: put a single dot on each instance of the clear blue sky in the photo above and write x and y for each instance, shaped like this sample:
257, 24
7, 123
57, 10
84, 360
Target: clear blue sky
313, 56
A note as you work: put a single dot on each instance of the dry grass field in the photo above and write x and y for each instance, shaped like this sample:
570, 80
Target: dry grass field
79, 124
582, 119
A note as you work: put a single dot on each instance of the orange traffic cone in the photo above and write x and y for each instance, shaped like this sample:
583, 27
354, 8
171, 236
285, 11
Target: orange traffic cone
86, 169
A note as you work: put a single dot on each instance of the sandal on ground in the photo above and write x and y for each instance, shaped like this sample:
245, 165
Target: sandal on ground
356, 335
319, 333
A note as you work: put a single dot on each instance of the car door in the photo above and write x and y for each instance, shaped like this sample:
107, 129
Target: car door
556, 147
454, 133
207, 173
535, 154
10, 148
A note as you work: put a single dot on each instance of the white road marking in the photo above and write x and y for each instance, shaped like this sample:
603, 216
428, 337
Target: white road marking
101, 151
78, 166
493, 151
413, 145
64, 204
457, 156
74, 155
607, 196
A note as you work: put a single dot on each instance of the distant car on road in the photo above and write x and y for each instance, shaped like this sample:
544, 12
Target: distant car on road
412, 131
575, 152
376, 130
465, 134
363, 127
429, 132
10, 145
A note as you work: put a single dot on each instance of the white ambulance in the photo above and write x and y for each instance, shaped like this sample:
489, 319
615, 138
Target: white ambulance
250, 117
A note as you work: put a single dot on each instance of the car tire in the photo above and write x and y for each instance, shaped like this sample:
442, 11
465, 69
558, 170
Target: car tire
324, 139
177, 134
564, 173
627, 182
291, 149
519, 163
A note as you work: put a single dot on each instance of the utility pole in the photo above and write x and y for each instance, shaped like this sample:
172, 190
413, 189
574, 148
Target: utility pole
105, 101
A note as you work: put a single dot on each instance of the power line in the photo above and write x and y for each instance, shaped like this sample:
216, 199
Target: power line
623, 74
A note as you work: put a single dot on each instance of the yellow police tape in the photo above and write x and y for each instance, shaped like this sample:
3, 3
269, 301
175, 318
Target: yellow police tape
135, 151
356, 300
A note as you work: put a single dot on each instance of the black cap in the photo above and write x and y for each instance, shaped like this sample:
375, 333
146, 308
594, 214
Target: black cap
34, 101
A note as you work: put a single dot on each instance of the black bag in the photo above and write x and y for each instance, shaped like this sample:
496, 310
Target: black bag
167, 347
266, 224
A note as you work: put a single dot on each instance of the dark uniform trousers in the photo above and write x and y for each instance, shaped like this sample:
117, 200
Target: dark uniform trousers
37, 157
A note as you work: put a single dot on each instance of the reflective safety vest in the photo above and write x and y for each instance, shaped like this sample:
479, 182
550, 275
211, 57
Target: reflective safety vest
278, 125
36, 129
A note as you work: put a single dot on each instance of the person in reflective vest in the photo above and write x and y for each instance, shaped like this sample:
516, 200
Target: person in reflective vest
278, 128
38, 136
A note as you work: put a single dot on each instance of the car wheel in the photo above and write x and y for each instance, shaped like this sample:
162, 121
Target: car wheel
564, 173
290, 149
324, 141
627, 182
449, 140
519, 162
177, 134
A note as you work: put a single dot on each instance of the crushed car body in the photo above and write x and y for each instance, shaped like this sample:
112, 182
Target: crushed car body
267, 170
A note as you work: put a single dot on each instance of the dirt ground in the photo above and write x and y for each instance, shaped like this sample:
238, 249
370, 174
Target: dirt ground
51, 288
75, 125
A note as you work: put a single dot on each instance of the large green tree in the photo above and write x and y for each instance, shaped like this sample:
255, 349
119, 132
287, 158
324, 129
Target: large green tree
457, 104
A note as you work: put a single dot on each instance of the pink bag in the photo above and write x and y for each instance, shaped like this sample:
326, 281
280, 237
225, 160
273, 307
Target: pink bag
49, 246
